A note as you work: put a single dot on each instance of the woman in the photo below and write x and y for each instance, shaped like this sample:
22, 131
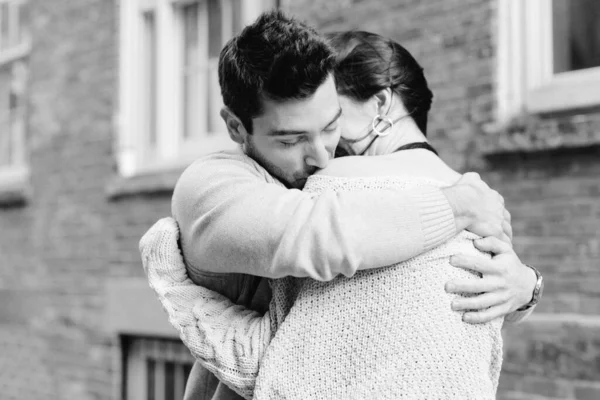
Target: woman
407, 344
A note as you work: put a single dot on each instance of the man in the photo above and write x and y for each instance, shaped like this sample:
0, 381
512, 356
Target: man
239, 221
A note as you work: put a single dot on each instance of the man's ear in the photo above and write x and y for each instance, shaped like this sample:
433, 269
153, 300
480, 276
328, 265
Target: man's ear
237, 131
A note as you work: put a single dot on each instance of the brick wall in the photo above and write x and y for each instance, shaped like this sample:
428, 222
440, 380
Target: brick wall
61, 249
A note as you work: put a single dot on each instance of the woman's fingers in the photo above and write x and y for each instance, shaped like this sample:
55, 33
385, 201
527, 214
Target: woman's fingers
483, 285
480, 317
480, 302
493, 245
478, 264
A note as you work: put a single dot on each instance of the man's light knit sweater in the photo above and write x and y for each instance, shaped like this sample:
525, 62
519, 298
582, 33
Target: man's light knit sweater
235, 217
231, 340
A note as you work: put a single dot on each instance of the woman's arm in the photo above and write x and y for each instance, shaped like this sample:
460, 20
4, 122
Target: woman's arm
506, 285
227, 339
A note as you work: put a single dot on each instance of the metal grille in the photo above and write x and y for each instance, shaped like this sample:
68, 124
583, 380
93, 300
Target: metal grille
157, 369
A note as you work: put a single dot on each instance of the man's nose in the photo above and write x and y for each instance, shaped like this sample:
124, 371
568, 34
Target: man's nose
318, 156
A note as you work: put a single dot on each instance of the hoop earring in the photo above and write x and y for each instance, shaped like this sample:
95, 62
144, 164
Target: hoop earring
376, 121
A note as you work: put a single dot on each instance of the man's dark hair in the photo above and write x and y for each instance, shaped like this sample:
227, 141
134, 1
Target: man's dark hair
275, 58
367, 63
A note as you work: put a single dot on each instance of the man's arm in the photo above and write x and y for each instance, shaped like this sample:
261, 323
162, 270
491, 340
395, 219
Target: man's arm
234, 214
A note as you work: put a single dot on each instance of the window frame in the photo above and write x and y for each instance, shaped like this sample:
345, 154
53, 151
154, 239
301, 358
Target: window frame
14, 176
139, 352
171, 151
526, 81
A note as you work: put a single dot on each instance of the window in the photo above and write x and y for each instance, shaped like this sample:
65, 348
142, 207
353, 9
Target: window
14, 48
169, 91
156, 369
548, 54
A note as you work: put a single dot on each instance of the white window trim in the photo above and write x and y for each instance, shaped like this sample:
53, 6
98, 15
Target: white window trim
13, 176
525, 64
130, 139
18, 50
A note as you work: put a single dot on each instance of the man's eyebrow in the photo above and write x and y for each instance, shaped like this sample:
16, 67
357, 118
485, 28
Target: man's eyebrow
285, 132
289, 132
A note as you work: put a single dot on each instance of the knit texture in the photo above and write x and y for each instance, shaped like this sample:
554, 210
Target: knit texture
384, 334
236, 218
231, 341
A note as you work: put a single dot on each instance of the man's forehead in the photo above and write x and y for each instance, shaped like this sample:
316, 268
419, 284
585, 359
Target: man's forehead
297, 115
304, 114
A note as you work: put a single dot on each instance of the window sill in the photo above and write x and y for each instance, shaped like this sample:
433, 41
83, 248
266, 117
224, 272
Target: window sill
530, 133
566, 91
15, 53
15, 189
150, 184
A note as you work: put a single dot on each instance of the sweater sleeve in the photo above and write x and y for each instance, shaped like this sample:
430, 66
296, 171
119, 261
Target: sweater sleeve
235, 218
227, 339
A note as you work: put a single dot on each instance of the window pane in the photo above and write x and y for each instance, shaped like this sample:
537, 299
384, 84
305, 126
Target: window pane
150, 77
151, 378
192, 71
170, 381
5, 139
5, 116
4, 18
236, 17
21, 19
215, 27
576, 26
14, 23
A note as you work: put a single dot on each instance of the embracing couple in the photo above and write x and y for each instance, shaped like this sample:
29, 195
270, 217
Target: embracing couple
291, 274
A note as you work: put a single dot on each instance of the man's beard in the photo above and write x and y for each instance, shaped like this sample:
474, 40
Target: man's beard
295, 181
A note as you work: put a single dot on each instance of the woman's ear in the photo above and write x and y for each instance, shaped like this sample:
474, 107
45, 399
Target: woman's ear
235, 128
383, 100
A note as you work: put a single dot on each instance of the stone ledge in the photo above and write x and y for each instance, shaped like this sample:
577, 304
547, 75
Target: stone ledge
554, 346
15, 189
532, 133
158, 183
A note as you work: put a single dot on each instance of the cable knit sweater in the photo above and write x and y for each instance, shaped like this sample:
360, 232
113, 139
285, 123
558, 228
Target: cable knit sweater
371, 336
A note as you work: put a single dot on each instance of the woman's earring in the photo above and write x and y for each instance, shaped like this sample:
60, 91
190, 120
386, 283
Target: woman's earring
386, 130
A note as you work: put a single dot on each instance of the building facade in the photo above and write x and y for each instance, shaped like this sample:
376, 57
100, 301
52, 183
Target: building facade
104, 102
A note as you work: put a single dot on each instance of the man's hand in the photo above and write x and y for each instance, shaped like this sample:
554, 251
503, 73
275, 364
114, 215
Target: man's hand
478, 209
507, 284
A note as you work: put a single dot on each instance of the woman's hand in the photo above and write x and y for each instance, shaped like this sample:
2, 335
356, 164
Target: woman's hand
506, 285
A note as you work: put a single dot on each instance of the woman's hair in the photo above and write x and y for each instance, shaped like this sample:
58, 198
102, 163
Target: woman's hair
367, 63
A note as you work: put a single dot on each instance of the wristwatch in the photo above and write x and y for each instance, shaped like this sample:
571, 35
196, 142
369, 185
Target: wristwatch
537, 290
